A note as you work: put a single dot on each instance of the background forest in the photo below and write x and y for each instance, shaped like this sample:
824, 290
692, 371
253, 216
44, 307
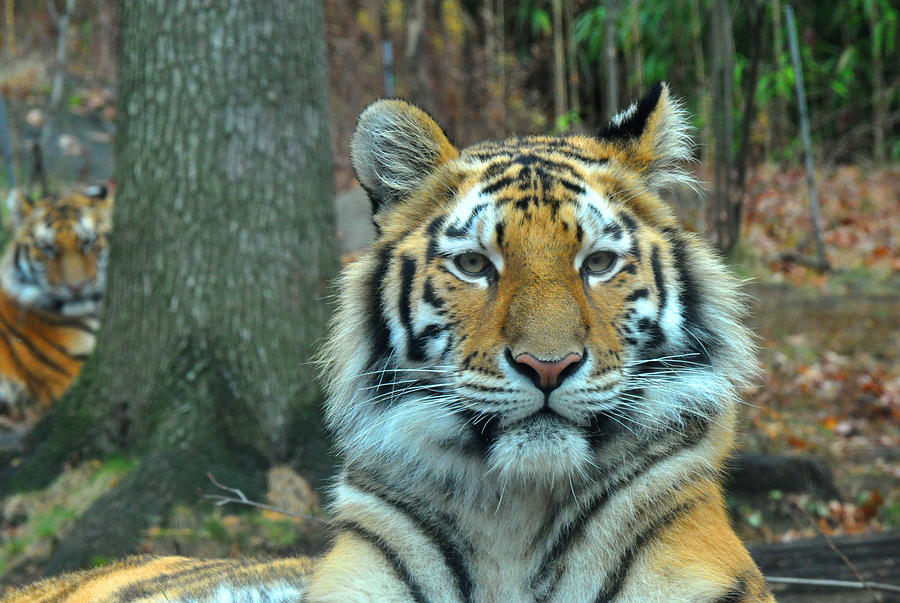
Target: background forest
827, 404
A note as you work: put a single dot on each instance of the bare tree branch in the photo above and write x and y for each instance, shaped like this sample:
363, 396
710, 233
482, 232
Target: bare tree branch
890, 588
242, 499
864, 584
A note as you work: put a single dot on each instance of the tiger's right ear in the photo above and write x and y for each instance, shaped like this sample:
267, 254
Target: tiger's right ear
19, 206
395, 147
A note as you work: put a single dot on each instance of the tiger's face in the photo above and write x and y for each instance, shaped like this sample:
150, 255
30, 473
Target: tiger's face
529, 305
57, 259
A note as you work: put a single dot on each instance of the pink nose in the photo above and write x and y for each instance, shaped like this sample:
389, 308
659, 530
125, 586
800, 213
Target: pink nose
548, 371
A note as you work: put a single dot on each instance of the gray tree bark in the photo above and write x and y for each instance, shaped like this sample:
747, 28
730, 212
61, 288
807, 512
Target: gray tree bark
223, 248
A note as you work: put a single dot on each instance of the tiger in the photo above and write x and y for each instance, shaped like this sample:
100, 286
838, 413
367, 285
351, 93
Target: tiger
52, 277
531, 377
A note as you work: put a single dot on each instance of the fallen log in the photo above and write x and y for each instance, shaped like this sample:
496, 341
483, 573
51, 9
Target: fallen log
873, 558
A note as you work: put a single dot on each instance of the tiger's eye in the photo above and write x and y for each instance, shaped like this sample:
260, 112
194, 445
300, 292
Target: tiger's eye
600, 262
473, 264
47, 249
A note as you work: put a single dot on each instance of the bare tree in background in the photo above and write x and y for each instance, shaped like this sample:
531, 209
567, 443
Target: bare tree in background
559, 62
223, 248
612, 70
723, 125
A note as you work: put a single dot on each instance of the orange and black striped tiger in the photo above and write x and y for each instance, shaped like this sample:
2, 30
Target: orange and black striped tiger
51, 283
531, 380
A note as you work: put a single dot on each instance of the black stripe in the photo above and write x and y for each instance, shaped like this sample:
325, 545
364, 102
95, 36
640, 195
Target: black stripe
738, 593
497, 185
630, 223
614, 583
37, 353
574, 530
381, 340
689, 298
414, 349
393, 558
612, 229
153, 585
461, 231
633, 126
430, 296
72, 323
637, 294
59, 348
482, 430
33, 384
431, 234
658, 277
442, 533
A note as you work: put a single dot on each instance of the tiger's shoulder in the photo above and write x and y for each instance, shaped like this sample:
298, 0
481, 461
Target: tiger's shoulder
168, 579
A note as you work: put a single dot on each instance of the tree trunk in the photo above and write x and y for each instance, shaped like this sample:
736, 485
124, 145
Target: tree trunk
736, 211
559, 63
879, 113
223, 249
779, 124
571, 64
612, 71
415, 58
637, 54
723, 123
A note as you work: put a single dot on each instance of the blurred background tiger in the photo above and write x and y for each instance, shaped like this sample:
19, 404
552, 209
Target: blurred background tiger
51, 283
531, 379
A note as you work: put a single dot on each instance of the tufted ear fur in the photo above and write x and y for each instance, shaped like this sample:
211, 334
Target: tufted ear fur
654, 135
19, 207
395, 147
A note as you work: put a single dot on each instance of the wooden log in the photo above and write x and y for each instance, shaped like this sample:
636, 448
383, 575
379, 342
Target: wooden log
876, 558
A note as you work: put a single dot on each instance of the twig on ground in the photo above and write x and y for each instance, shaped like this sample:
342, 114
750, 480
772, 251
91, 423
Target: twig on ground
803, 260
865, 584
242, 499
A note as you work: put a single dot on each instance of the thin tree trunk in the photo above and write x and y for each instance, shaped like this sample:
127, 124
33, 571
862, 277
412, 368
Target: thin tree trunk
702, 91
59, 77
815, 211
722, 107
559, 62
571, 65
224, 246
612, 71
415, 59
880, 101
779, 114
636, 46
10, 17
501, 58
757, 35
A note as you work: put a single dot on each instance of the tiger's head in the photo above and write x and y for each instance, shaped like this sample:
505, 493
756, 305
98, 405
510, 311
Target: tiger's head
530, 309
56, 260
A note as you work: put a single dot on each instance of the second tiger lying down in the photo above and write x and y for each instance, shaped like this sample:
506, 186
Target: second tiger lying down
531, 379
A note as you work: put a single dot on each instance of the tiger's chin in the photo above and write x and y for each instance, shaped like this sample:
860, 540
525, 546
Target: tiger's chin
545, 449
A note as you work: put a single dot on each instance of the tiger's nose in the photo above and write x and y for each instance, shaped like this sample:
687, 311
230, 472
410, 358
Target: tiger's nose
546, 375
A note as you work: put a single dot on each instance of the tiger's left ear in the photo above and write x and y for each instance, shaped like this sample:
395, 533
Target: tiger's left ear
19, 206
104, 199
653, 134
395, 148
